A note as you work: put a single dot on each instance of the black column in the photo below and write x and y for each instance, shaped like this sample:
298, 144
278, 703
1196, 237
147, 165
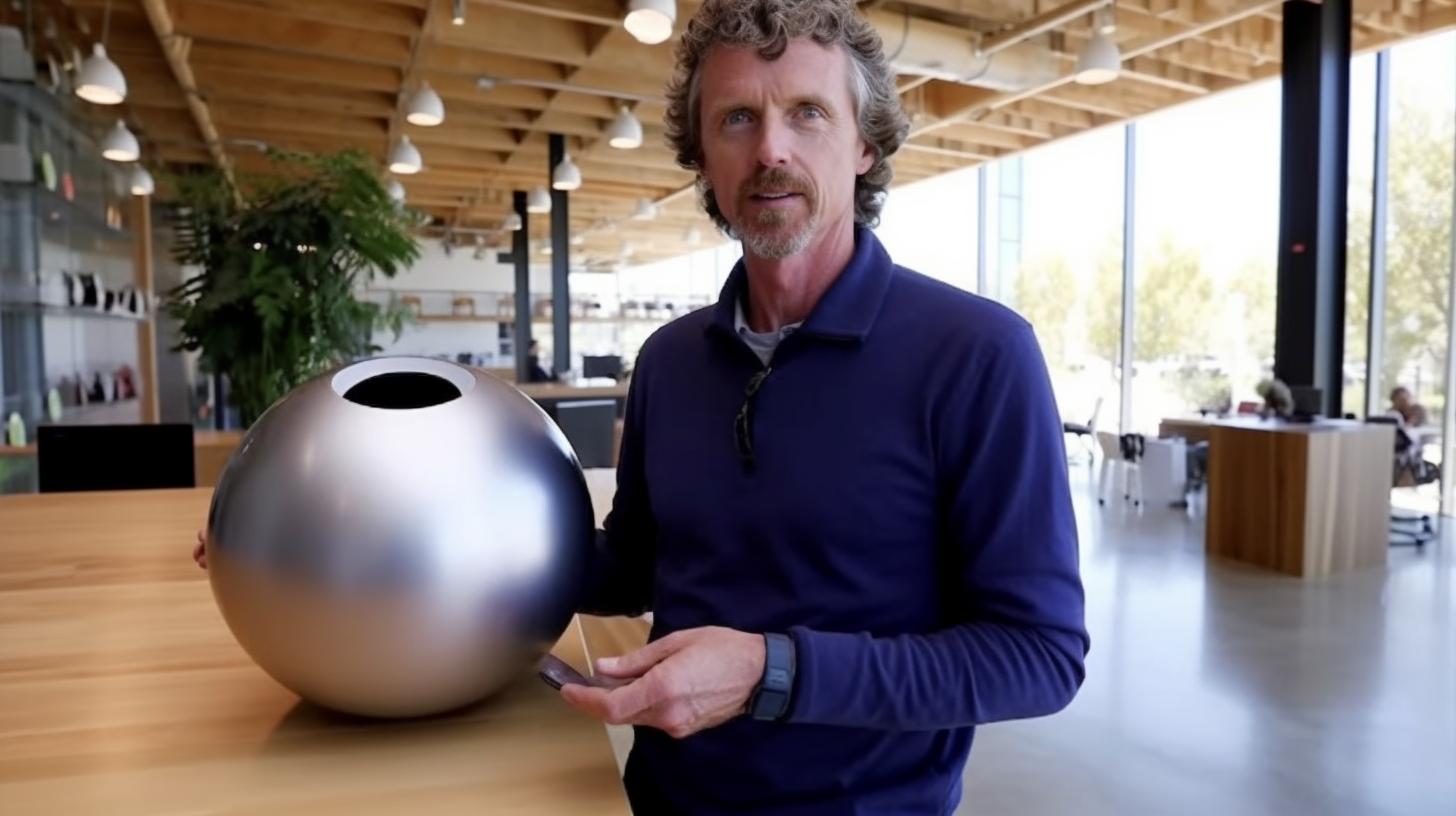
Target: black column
1309, 330
520, 257
560, 264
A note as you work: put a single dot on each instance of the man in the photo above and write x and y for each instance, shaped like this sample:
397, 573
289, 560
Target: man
535, 372
1412, 413
842, 491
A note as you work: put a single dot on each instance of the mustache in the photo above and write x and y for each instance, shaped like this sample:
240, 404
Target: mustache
775, 180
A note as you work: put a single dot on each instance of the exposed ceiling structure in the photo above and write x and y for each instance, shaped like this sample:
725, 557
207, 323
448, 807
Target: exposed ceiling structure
213, 81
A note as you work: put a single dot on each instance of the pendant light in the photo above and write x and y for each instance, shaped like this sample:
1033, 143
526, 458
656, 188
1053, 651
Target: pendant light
512, 223
405, 158
395, 191
539, 201
1100, 61
98, 79
650, 21
141, 182
566, 176
120, 145
646, 210
625, 132
425, 108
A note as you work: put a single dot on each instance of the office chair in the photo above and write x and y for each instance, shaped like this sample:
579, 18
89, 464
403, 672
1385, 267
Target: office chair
1124, 452
114, 457
1410, 529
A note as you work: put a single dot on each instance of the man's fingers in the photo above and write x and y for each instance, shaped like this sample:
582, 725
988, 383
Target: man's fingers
636, 663
624, 705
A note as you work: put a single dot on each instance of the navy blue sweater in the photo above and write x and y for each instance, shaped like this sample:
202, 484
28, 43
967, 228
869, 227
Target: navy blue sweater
906, 521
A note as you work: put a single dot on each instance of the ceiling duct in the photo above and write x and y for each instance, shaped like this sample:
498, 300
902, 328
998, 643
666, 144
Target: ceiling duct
927, 48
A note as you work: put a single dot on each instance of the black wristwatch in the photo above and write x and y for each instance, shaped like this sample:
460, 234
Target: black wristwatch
770, 700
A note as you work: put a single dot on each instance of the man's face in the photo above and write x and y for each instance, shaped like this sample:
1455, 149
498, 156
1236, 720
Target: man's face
781, 143
1401, 399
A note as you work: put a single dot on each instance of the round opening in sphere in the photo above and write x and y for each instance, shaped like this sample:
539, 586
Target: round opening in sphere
400, 383
402, 389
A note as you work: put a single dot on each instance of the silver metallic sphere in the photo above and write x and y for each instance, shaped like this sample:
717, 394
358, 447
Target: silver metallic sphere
399, 537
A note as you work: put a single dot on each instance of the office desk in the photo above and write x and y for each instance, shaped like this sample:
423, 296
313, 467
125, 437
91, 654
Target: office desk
1303, 499
122, 692
1193, 429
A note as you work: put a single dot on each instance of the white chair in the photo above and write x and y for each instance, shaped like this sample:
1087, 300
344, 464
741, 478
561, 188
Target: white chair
1086, 432
1113, 457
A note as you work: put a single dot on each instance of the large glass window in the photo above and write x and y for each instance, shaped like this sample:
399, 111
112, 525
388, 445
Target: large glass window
1358, 233
1205, 271
930, 226
1058, 262
1418, 243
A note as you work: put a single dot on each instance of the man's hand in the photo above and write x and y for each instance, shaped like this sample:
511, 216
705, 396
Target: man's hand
199, 553
686, 682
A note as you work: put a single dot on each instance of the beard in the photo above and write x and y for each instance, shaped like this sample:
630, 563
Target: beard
773, 233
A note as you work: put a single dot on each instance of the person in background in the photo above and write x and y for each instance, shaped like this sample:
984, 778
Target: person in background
534, 370
1412, 413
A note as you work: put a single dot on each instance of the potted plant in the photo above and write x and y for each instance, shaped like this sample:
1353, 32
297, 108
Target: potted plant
281, 258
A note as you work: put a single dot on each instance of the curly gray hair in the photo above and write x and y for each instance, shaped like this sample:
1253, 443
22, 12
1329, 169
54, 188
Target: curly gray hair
767, 26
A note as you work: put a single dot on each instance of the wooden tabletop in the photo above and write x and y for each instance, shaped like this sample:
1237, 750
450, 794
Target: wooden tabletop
122, 692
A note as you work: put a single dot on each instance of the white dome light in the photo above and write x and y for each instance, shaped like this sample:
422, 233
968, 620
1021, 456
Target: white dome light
650, 21
120, 145
646, 210
512, 223
539, 201
99, 79
566, 176
405, 158
1100, 61
426, 108
141, 182
625, 132
395, 191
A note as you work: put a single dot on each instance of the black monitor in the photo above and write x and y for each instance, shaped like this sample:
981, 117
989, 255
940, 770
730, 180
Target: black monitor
1308, 401
608, 365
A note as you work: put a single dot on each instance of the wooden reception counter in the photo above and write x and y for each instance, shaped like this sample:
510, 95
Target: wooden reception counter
122, 692
1303, 499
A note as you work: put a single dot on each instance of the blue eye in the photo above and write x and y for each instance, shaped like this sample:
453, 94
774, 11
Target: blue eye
737, 117
813, 111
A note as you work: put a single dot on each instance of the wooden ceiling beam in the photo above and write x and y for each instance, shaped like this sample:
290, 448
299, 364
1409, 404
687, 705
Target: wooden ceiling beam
175, 48
206, 20
607, 13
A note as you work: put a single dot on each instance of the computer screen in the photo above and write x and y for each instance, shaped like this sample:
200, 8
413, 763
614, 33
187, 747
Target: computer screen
609, 365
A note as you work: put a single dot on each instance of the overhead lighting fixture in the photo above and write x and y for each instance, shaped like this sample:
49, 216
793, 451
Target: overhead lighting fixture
99, 80
395, 191
405, 158
120, 145
426, 108
650, 21
1100, 61
578, 239
512, 223
693, 236
566, 176
141, 182
625, 132
457, 15
646, 210
480, 247
539, 201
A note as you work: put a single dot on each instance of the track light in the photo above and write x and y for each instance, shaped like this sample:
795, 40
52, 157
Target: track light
539, 201
512, 223
566, 176
650, 21
141, 182
457, 14
405, 158
1100, 61
426, 108
120, 145
99, 79
646, 210
625, 132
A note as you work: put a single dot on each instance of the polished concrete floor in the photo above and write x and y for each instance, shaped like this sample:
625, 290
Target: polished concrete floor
1217, 689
